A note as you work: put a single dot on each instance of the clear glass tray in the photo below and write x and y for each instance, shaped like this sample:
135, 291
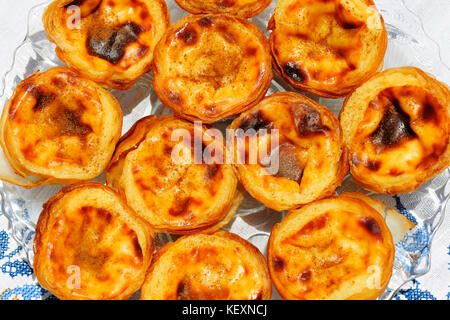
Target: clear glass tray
408, 45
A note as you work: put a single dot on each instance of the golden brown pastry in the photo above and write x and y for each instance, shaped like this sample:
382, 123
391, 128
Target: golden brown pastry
396, 126
241, 8
309, 161
337, 248
219, 266
57, 128
209, 67
327, 47
90, 245
156, 169
108, 41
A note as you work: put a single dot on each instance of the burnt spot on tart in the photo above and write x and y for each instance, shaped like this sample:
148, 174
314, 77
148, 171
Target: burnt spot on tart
289, 166
174, 97
305, 275
205, 22
256, 121
183, 290
433, 157
136, 246
429, 105
373, 165
307, 121
69, 123
29, 152
93, 229
318, 35
104, 215
225, 3
109, 43
278, 264
59, 83
293, 71
42, 99
180, 206
187, 291
187, 34
92, 261
393, 128
371, 226
74, 3
86, 7
227, 35
251, 51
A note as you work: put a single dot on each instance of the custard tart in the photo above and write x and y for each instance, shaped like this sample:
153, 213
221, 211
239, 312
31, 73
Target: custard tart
209, 67
219, 266
108, 41
90, 245
396, 126
337, 248
58, 128
172, 174
327, 48
288, 151
241, 8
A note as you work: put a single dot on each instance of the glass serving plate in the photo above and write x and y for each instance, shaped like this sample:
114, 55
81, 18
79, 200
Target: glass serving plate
408, 45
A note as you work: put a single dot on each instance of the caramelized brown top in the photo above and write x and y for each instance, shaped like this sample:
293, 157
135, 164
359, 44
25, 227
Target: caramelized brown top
90, 247
208, 67
242, 8
402, 131
338, 248
220, 266
168, 181
302, 140
108, 41
404, 121
327, 47
56, 122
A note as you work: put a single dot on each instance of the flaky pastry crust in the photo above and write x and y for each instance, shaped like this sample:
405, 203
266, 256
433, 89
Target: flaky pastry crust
209, 67
155, 170
337, 248
311, 157
219, 266
108, 41
241, 8
58, 128
396, 126
327, 47
90, 245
